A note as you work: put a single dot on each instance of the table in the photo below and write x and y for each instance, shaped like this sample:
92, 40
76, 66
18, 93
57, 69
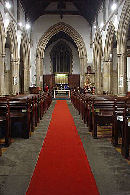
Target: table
61, 91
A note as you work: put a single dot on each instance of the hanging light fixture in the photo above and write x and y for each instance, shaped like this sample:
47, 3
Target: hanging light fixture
7, 5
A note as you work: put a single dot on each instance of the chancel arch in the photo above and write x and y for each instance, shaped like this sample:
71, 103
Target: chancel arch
122, 37
61, 27
11, 68
97, 60
110, 61
24, 67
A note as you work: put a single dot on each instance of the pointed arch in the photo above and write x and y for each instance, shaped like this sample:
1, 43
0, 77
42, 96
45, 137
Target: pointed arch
76, 37
2, 35
123, 28
12, 74
97, 57
69, 30
122, 34
109, 40
24, 69
109, 74
11, 31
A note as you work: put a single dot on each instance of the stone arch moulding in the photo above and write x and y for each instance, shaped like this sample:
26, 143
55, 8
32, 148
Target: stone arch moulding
14, 44
109, 40
97, 57
11, 31
122, 34
25, 47
2, 36
108, 74
53, 30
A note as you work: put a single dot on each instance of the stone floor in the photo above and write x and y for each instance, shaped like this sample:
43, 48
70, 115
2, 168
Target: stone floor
111, 171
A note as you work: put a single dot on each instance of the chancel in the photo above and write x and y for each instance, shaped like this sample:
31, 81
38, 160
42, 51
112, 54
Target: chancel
64, 97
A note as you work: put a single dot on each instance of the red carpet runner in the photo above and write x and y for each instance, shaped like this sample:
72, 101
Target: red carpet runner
62, 167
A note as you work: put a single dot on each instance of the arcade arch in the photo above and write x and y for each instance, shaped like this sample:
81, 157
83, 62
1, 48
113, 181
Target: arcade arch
61, 27
122, 37
24, 68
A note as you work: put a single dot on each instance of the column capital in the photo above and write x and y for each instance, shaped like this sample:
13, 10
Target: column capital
2, 55
15, 60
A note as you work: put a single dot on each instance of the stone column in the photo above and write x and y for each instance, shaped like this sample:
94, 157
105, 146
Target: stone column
28, 77
98, 75
105, 76
25, 73
122, 78
38, 71
14, 76
110, 77
41, 73
2, 83
82, 72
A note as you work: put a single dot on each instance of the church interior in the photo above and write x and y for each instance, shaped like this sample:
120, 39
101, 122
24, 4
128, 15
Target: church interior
64, 97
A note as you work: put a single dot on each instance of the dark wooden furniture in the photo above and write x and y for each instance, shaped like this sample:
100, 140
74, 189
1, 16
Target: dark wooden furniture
20, 112
119, 107
34, 90
102, 113
126, 130
5, 120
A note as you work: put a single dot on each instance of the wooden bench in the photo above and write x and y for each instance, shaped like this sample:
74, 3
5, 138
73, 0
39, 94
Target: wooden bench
20, 112
102, 113
5, 120
126, 130
119, 107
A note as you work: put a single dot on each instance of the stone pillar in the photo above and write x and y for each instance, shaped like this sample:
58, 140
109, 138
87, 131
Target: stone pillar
38, 71
122, 78
2, 83
98, 75
110, 77
14, 76
82, 72
41, 73
105, 76
28, 77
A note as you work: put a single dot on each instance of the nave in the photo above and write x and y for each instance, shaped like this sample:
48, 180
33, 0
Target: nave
111, 171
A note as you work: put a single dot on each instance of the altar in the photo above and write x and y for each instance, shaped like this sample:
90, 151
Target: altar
62, 91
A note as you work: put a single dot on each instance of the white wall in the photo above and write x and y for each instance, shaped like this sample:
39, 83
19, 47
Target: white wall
47, 61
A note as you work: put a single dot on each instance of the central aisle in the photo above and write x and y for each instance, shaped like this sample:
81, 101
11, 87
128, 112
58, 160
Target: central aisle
62, 167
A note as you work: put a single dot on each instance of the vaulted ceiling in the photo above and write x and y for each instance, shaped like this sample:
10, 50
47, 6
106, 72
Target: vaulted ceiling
86, 8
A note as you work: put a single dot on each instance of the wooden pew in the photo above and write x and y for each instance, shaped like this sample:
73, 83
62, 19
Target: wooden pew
119, 107
126, 130
5, 120
20, 111
102, 113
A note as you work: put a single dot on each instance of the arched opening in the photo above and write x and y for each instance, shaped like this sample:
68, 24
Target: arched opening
110, 68
8, 66
45, 39
61, 61
122, 44
24, 66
